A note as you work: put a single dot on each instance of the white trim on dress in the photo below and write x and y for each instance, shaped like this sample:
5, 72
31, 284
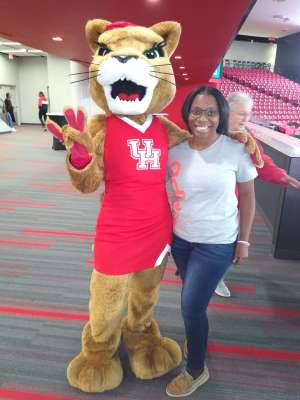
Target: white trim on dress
166, 250
142, 128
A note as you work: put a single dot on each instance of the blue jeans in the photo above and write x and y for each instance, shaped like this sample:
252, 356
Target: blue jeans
200, 266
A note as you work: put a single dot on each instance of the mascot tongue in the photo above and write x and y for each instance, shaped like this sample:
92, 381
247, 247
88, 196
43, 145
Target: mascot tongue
128, 97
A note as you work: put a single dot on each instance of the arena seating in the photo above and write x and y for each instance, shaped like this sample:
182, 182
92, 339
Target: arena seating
275, 97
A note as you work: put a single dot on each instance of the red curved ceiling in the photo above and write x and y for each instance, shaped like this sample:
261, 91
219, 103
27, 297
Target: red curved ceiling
207, 26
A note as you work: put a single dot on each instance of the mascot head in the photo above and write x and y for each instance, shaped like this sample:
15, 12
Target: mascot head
131, 73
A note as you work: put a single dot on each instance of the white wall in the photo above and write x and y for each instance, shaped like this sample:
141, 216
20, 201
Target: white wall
32, 79
80, 90
247, 51
51, 75
60, 93
8, 70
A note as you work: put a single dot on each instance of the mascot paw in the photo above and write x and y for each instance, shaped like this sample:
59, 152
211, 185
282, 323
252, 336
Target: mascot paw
94, 376
151, 355
155, 359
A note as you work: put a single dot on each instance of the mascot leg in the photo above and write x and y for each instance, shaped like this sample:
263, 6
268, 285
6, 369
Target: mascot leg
150, 354
97, 368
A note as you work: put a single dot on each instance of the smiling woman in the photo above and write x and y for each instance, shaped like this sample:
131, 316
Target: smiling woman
208, 233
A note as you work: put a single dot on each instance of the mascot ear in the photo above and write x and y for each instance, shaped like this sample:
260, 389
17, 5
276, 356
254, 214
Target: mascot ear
170, 31
93, 30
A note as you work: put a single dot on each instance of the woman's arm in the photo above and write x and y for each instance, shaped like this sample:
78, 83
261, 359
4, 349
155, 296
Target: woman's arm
247, 212
270, 172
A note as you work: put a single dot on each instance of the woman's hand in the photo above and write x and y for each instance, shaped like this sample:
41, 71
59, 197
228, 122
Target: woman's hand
241, 253
290, 181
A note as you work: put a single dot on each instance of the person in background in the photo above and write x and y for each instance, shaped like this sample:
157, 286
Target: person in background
9, 109
43, 109
296, 128
209, 233
240, 106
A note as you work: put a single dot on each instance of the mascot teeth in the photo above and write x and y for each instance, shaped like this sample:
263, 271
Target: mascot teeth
127, 90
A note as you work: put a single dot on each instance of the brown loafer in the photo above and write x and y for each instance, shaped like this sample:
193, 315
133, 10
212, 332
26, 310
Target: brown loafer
184, 384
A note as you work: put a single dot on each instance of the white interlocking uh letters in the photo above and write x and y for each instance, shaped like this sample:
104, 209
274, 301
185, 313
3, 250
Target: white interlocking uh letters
145, 154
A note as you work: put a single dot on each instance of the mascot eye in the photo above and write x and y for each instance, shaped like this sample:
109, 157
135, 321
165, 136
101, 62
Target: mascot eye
152, 53
103, 50
155, 51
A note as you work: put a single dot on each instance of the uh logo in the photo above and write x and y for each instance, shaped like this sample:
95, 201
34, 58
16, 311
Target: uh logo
145, 154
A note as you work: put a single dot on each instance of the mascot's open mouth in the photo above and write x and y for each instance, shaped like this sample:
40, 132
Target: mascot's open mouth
127, 90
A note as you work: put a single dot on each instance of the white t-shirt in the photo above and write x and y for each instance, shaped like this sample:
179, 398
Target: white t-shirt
203, 189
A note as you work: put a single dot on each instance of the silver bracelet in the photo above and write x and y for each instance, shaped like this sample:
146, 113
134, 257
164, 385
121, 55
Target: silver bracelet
244, 242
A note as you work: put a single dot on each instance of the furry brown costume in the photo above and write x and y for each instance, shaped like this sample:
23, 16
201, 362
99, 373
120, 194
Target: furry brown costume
98, 368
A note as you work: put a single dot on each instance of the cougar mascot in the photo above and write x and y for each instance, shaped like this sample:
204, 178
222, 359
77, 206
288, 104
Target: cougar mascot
131, 79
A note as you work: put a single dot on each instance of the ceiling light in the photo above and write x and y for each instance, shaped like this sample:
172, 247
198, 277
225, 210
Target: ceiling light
182, 67
57, 39
34, 51
186, 79
184, 74
10, 44
178, 57
13, 51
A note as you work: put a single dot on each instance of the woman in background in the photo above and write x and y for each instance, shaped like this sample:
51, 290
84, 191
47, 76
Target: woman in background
240, 108
43, 109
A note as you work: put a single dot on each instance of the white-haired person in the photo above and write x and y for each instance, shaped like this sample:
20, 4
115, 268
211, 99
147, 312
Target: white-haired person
240, 108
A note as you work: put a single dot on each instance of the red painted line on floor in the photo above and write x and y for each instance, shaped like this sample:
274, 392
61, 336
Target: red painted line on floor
19, 243
58, 233
42, 204
42, 313
241, 288
39, 313
171, 269
255, 352
13, 394
8, 174
233, 287
6, 209
278, 312
171, 282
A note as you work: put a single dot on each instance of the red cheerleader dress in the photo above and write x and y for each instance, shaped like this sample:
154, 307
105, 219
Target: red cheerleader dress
134, 226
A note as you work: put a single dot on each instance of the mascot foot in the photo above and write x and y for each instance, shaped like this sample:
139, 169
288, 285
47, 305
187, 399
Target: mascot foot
94, 376
150, 354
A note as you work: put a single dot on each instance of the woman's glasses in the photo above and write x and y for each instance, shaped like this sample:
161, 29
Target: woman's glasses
198, 112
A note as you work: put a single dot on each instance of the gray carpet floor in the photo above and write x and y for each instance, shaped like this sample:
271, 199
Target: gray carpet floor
46, 231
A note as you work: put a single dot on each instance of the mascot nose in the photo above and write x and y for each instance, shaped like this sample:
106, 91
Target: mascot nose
124, 59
